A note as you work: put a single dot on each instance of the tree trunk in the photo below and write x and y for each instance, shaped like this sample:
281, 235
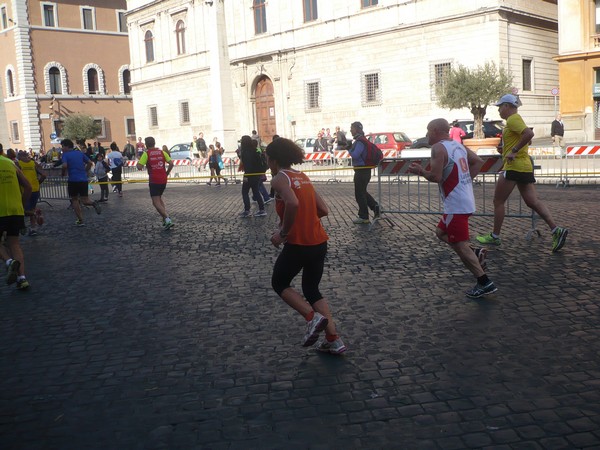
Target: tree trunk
478, 115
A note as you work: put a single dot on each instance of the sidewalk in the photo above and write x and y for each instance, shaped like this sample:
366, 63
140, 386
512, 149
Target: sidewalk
132, 337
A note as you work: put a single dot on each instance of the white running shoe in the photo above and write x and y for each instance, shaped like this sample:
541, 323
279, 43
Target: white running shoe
313, 328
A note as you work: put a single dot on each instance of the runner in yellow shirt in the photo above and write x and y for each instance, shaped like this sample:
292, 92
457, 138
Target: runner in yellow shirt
35, 175
12, 220
518, 171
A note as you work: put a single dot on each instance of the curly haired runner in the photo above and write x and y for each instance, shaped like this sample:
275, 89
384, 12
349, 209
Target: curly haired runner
304, 241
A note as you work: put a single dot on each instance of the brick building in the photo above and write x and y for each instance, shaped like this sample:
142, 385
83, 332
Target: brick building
63, 57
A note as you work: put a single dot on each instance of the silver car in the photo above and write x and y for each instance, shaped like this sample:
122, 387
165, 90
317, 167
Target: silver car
182, 151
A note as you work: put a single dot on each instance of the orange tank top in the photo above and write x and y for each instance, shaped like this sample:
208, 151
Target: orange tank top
307, 228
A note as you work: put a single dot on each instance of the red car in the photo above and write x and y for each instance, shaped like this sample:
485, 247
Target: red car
390, 140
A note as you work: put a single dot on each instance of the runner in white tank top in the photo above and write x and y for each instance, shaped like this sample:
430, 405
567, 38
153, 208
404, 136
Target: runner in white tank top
456, 187
453, 167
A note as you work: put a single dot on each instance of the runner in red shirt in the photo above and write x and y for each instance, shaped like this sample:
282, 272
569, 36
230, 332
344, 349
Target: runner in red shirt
155, 161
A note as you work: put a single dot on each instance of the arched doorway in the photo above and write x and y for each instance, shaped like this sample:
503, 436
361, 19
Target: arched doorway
265, 109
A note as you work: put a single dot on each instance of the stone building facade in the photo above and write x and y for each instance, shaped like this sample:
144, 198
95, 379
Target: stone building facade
579, 68
292, 67
62, 57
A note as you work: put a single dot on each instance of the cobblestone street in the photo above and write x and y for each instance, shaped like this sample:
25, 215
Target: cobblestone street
132, 337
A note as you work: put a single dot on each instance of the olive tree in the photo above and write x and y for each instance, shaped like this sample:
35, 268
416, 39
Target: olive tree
474, 89
80, 127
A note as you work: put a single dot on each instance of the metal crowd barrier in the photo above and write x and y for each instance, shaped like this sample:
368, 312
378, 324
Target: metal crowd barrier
581, 162
54, 186
400, 192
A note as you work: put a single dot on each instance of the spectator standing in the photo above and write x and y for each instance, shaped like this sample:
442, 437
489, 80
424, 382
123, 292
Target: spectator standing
53, 156
330, 139
155, 160
194, 149
76, 164
129, 150
115, 161
456, 132
304, 240
254, 136
14, 194
340, 139
557, 131
201, 145
261, 185
101, 169
362, 176
140, 148
518, 172
453, 167
213, 165
251, 164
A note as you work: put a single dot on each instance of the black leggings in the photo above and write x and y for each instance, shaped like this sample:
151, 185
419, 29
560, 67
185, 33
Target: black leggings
294, 258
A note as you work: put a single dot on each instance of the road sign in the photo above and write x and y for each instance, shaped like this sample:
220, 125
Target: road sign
554, 91
52, 135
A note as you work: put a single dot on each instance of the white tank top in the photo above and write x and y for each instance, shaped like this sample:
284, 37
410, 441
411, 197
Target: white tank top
456, 188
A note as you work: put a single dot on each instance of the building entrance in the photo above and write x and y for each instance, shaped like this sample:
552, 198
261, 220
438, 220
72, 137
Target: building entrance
265, 110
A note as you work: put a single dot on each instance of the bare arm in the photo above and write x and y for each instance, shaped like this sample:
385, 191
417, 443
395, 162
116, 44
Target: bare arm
25, 185
282, 188
436, 164
322, 208
475, 163
170, 167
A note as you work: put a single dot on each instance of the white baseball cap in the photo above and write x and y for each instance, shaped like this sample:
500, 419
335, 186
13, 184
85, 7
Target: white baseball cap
510, 99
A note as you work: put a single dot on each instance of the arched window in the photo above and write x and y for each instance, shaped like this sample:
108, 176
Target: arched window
10, 84
180, 35
260, 17
55, 80
92, 81
149, 43
126, 82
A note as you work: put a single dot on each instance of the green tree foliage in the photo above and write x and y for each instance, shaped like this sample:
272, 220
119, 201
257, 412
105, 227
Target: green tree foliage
80, 127
474, 89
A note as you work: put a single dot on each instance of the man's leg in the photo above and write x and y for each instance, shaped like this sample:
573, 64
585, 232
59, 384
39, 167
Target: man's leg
76, 207
245, 193
503, 190
531, 199
254, 183
158, 203
360, 193
15, 251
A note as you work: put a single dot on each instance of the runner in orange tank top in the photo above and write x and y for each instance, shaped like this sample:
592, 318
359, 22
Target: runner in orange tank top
304, 240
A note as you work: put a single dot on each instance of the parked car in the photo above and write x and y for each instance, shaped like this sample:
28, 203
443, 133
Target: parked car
421, 143
181, 151
491, 128
390, 140
306, 144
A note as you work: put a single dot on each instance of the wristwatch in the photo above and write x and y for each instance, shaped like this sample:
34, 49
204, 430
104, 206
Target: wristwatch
515, 150
282, 234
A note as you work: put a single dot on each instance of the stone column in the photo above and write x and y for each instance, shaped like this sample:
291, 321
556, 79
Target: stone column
222, 107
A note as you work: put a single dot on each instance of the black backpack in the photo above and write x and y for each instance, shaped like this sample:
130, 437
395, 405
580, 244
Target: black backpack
263, 160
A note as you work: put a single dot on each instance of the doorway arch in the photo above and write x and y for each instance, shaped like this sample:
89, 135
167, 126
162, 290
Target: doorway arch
265, 109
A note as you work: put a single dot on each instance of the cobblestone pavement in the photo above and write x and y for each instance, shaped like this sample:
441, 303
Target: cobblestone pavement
133, 337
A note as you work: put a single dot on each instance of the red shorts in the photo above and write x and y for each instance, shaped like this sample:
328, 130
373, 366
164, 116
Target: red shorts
456, 226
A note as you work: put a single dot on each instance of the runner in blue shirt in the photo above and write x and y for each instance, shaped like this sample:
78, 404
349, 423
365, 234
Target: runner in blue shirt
77, 164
